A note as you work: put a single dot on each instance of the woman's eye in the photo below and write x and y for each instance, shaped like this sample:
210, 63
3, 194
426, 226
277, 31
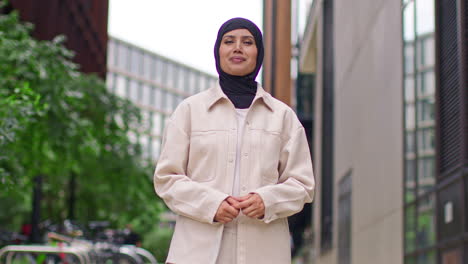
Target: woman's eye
248, 42
228, 42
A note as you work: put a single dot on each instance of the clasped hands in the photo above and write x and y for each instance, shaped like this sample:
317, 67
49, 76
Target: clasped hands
251, 205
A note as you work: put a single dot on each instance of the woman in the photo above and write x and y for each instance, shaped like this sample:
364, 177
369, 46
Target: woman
235, 163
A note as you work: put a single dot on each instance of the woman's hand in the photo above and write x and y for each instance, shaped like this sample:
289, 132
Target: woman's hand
252, 205
227, 211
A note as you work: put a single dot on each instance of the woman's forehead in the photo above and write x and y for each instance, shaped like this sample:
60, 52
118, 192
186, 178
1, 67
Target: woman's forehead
240, 32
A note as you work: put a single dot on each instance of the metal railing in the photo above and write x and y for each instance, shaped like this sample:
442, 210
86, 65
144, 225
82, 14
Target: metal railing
79, 252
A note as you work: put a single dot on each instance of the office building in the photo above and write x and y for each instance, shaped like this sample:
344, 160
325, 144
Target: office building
388, 80
155, 84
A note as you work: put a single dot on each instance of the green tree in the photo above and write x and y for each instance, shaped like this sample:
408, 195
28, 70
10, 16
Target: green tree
60, 123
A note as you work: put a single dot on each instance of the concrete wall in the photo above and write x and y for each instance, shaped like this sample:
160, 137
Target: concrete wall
368, 128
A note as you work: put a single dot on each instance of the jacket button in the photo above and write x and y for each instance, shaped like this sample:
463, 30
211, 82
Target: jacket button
231, 160
244, 188
246, 154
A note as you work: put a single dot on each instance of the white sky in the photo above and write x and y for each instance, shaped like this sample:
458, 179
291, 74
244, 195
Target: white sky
182, 30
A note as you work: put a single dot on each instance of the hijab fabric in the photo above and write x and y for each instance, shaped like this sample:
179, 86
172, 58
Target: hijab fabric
240, 90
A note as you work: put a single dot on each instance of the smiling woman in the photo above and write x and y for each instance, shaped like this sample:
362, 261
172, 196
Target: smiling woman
238, 52
235, 163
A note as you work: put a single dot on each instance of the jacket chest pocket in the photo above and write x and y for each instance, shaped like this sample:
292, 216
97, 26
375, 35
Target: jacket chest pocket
270, 150
203, 155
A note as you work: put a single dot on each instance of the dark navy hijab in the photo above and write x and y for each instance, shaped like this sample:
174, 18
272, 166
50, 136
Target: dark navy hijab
240, 90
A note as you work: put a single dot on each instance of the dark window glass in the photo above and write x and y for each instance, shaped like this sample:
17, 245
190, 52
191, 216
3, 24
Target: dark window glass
410, 181
426, 223
427, 258
410, 260
449, 211
410, 229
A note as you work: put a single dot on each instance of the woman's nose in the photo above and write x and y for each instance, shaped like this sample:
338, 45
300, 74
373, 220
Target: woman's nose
238, 46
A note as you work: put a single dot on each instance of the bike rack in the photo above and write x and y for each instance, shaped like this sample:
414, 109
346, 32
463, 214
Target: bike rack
78, 251
146, 255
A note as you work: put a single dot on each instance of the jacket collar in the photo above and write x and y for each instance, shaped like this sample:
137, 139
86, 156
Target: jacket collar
216, 94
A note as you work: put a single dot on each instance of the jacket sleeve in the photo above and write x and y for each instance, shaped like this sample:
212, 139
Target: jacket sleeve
296, 183
182, 195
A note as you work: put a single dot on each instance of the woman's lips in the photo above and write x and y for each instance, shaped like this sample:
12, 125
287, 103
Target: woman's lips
237, 59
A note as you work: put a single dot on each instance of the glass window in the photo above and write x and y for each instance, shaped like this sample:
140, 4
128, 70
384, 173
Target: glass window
410, 260
123, 57
147, 66
410, 116
409, 58
183, 78
427, 258
135, 61
111, 53
134, 91
175, 77
426, 109
155, 76
425, 17
426, 235
169, 75
156, 124
156, 148
410, 181
194, 84
110, 82
429, 51
449, 211
428, 83
163, 72
410, 229
121, 86
426, 139
410, 142
409, 89
169, 101
157, 102
202, 82
408, 22
147, 94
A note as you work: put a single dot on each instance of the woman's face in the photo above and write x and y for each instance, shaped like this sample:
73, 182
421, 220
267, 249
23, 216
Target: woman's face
238, 52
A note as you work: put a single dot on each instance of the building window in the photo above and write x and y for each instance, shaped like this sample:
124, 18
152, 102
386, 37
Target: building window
135, 61
122, 60
110, 81
155, 148
121, 86
157, 100
146, 94
111, 53
134, 91
419, 97
156, 124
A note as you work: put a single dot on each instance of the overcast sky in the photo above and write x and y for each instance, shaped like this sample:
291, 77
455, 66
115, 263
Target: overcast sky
182, 30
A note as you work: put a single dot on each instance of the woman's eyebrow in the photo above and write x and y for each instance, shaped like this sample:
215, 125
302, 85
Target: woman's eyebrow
232, 36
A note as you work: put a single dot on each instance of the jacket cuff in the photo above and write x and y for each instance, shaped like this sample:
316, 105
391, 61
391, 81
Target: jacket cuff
218, 198
268, 202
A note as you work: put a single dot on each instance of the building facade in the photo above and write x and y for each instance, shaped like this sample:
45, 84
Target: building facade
153, 83
82, 22
388, 84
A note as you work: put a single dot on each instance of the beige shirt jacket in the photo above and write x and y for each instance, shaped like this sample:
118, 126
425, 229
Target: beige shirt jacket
195, 173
